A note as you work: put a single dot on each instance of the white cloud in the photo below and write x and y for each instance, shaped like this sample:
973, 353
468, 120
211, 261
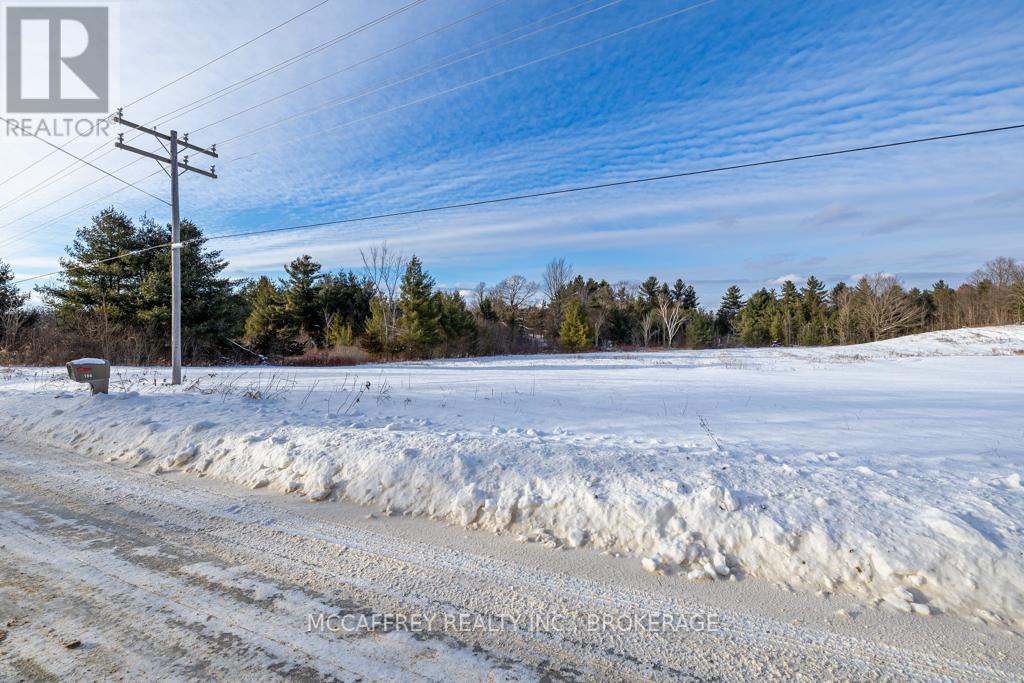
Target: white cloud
783, 279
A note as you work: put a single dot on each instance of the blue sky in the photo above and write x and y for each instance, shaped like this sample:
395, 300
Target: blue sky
725, 82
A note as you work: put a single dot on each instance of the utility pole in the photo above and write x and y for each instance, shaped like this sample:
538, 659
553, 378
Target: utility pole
176, 169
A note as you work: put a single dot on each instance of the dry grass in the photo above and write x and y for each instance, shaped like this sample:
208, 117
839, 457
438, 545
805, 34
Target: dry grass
336, 357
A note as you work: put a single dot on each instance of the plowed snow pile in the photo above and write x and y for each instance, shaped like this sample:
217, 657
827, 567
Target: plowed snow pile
889, 470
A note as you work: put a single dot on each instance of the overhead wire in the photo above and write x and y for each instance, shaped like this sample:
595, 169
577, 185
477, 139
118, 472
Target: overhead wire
176, 80
565, 191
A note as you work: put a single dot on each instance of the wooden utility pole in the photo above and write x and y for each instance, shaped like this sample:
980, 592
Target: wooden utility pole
176, 169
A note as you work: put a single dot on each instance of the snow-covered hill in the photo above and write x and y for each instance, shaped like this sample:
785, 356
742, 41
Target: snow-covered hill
888, 470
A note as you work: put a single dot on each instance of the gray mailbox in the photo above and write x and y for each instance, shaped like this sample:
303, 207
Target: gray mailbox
94, 371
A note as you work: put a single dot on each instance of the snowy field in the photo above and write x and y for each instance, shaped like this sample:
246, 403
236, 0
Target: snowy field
888, 471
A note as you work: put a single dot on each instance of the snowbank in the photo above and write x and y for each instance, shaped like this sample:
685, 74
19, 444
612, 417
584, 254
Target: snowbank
888, 470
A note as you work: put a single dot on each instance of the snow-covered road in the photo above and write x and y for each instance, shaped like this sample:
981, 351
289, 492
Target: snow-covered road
107, 571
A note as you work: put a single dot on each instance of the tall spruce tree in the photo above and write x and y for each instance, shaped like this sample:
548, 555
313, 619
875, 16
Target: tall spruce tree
303, 315
420, 323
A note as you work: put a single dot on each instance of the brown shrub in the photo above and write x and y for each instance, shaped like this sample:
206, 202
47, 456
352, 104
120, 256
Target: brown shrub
333, 357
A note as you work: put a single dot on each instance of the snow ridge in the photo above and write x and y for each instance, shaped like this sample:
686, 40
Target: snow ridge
919, 509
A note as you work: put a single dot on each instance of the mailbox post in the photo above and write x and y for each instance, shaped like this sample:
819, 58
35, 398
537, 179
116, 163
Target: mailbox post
93, 371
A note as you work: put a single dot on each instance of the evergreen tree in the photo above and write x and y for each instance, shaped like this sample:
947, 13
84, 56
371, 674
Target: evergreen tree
264, 328
487, 310
789, 316
732, 304
420, 324
106, 290
689, 299
574, 332
130, 297
678, 291
303, 314
755, 320
813, 324
344, 300
649, 290
211, 312
700, 329
375, 337
458, 328
339, 332
10, 297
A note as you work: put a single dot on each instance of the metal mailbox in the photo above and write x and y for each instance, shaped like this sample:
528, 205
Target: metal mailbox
93, 371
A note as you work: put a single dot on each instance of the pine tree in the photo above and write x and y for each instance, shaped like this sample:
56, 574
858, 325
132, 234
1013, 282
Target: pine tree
649, 289
339, 332
812, 326
689, 299
108, 291
10, 297
210, 310
303, 314
789, 318
678, 291
420, 324
732, 304
574, 332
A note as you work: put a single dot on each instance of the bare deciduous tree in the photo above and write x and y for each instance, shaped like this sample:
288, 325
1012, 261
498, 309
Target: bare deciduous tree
384, 268
672, 317
601, 306
556, 278
11, 323
479, 294
647, 328
885, 308
512, 296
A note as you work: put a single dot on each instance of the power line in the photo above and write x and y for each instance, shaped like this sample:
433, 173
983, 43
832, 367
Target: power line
35, 228
461, 86
570, 190
12, 238
260, 75
229, 52
166, 85
73, 167
350, 98
354, 65
105, 172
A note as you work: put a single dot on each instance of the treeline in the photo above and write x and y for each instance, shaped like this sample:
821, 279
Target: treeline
392, 308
